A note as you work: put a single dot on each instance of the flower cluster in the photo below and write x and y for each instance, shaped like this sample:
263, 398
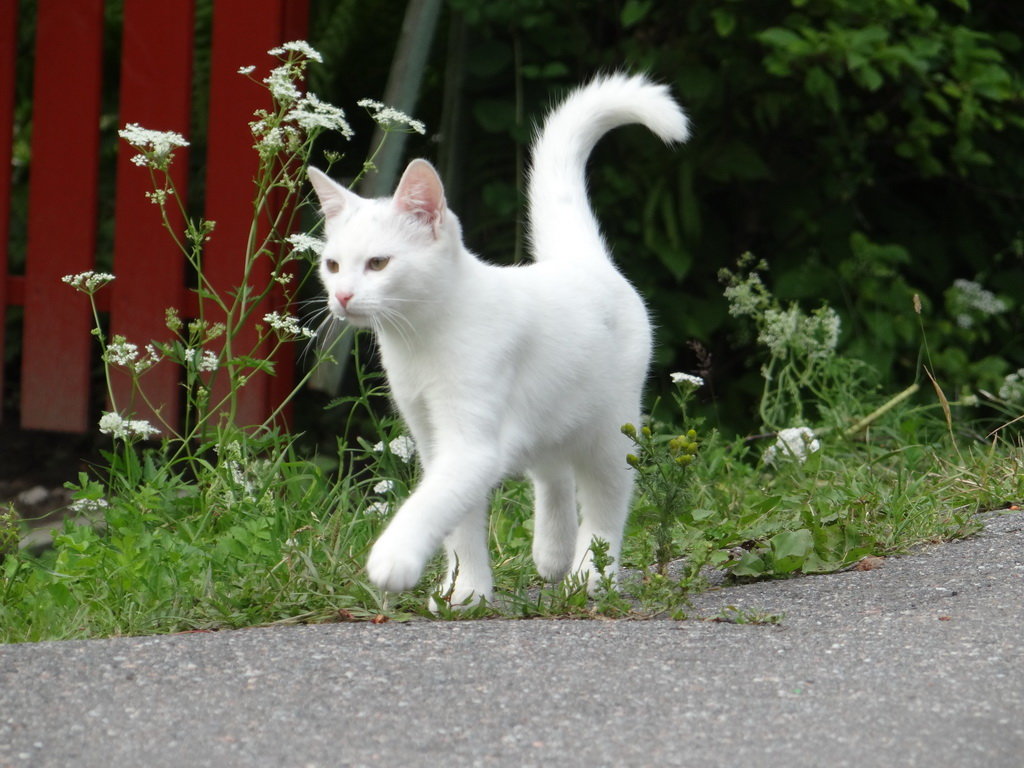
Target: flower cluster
302, 243
85, 506
814, 335
969, 302
88, 282
1012, 388
403, 446
298, 115
207, 361
389, 118
287, 326
155, 147
126, 429
685, 378
122, 352
310, 114
793, 443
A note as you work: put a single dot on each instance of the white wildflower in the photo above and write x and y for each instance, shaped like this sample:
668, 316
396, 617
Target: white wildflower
159, 196
390, 118
156, 146
209, 361
300, 47
286, 325
378, 508
302, 243
84, 506
88, 282
281, 84
117, 426
246, 70
969, 301
795, 442
1012, 388
151, 358
310, 113
686, 378
403, 446
384, 486
121, 352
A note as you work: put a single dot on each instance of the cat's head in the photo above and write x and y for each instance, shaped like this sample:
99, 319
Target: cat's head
387, 261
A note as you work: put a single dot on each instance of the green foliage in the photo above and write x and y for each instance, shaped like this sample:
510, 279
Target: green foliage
870, 149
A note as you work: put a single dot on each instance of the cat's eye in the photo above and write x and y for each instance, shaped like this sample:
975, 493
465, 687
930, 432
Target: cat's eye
377, 263
331, 265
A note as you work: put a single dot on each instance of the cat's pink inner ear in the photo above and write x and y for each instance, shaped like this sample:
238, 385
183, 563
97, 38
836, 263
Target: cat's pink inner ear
421, 193
333, 197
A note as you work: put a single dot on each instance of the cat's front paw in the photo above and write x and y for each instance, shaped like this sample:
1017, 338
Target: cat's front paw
395, 563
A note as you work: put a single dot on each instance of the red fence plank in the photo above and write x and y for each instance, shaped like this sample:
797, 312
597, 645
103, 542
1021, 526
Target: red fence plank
62, 213
232, 163
156, 83
8, 42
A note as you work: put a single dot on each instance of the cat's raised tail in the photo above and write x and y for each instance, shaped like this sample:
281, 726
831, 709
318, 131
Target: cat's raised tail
561, 222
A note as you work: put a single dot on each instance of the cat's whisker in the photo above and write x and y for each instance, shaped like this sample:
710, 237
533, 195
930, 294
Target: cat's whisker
400, 323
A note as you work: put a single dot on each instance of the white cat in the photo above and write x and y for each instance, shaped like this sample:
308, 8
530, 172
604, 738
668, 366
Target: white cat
503, 370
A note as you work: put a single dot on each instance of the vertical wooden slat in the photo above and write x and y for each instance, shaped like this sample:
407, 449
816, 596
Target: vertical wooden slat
156, 78
243, 31
8, 41
62, 213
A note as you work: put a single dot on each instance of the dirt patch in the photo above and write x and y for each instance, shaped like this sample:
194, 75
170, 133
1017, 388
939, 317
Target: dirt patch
34, 466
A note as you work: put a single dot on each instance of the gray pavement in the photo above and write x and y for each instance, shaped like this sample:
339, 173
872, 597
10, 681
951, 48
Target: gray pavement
919, 662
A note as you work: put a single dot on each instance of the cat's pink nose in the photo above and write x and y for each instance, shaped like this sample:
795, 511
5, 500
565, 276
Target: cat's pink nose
343, 299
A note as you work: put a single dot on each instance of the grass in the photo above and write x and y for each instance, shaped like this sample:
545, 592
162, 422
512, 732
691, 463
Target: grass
262, 536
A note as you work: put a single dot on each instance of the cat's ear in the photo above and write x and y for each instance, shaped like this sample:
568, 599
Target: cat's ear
334, 198
420, 193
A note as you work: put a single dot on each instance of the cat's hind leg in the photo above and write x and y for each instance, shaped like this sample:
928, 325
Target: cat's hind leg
605, 486
555, 520
469, 580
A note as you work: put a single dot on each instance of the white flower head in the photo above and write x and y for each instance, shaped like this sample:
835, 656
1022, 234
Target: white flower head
403, 446
155, 147
281, 83
312, 114
302, 243
686, 378
209, 361
970, 302
84, 506
380, 508
1012, 388
384, 486
117, 426
88, 282
121, 352
390, 118
300, 47
247, 70
793, 443
287, 326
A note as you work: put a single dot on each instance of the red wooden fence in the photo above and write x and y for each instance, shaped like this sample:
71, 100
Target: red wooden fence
155, 91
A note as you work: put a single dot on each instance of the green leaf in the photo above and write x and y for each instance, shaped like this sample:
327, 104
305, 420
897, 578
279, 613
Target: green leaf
634, 11
725, 21
750, 564
790, 549
818, 82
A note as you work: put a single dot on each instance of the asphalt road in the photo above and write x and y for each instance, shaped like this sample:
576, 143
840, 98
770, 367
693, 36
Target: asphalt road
919, 662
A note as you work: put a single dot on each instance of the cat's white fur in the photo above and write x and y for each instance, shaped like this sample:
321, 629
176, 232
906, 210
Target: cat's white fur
503, 370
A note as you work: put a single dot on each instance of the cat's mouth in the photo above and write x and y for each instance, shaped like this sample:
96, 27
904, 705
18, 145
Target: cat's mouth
353, 316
